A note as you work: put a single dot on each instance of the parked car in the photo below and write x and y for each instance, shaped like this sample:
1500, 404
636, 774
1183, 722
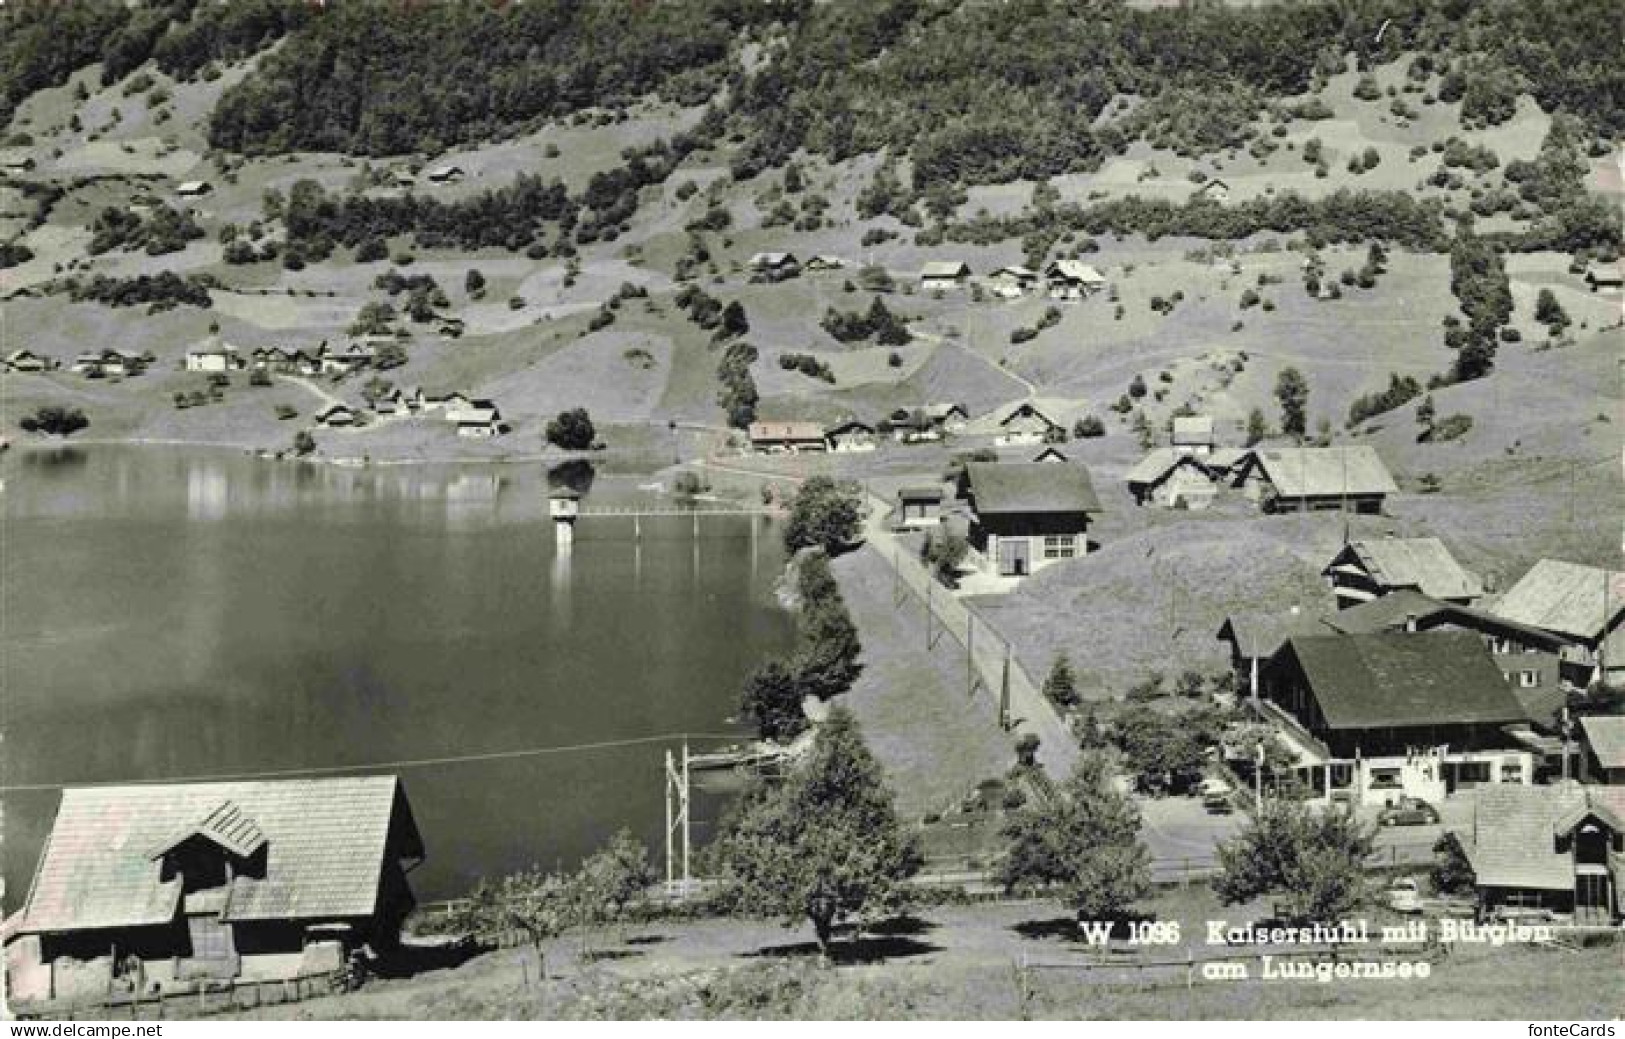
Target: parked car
1404, 895
1408, 811
1218, 804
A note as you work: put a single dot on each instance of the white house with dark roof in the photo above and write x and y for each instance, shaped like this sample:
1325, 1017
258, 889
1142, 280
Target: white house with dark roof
944, 275
774, 266
1366, 569
1172, 479
1029, 515
163, 887
213, 355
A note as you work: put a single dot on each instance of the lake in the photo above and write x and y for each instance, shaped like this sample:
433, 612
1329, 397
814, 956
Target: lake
173, 612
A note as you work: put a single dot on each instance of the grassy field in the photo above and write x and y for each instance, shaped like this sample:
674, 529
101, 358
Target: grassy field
957, 963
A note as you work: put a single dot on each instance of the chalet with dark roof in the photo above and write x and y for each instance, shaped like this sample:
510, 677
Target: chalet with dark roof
167, 886
1399, 714
1581, 606
1029, 515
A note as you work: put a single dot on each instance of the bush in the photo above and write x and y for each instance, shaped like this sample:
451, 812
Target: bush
1089, 426
1451, 427
54, 420
572, 430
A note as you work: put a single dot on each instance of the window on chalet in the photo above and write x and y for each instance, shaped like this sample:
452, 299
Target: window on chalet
1060, 546
1528, 679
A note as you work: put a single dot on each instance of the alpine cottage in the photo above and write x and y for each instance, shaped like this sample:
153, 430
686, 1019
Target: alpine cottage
1366, 569
1028, 515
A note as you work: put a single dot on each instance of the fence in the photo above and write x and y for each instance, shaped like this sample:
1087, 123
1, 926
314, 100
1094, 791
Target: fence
222, 996
989, 659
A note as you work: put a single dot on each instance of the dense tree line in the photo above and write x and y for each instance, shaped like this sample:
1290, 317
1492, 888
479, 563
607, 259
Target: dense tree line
738, 396
1342, 216
1478, 278
161, 291
381, 78
162, 230
1401, 390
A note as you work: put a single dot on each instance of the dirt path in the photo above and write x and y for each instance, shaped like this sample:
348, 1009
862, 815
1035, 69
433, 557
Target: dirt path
328, 400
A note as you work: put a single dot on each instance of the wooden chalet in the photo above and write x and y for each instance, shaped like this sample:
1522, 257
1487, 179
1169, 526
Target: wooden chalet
850, 435
1029, 515
1305, 479
1073, 280
445, 175
336, 416
1560, 848
944, 275
193, 188
1013, 281
824, 262
26, 360
1369, 568
919, 507
167, 887
1173, 480
774, 266
1397, 714
1581, 606
479, 419
1214, 190
786, 437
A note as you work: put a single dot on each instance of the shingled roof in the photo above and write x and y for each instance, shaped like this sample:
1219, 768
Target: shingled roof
1398, 679
1003, 488
1568, 598
1424, 564
1302, 472
1512, 838
324, 841
1606, 735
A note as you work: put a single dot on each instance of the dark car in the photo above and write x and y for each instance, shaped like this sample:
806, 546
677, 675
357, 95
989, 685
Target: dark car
1408, 811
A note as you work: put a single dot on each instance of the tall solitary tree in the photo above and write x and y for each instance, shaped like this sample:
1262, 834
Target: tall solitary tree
823, 844
1086, 842
1257, 426
824, 514
1292, 391
572, 430
1061, 685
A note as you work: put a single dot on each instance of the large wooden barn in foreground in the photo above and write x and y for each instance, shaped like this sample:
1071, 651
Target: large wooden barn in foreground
164, 887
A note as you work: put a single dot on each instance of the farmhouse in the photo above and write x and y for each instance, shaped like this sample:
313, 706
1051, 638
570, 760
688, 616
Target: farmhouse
774, 266
850, 435
1214, 190
1029, 515
825, 262
943, 275
1051, 453
786, 437
445, 175
1026, 422
1172, 479
336, 416
1300, 479
98, 364
1551, 847
919, 507
1193, 434
1602, 757
929, 422
1580, 605
212, 355
1254, 636
1366, 569
193, 188
1601, 277
1396, 714
352, 358
1073, 279
480, 419
1528, 658
26, 360
1013, 281
166, 887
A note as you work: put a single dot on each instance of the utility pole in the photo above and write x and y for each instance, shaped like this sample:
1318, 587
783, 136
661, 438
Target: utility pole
1004, 692
1258, 777
677, 819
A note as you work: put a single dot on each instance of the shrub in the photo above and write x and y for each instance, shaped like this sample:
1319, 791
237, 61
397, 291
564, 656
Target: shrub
1089, 426
54, 420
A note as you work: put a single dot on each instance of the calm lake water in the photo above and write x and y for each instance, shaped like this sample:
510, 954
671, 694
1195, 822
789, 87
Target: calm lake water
181, 613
